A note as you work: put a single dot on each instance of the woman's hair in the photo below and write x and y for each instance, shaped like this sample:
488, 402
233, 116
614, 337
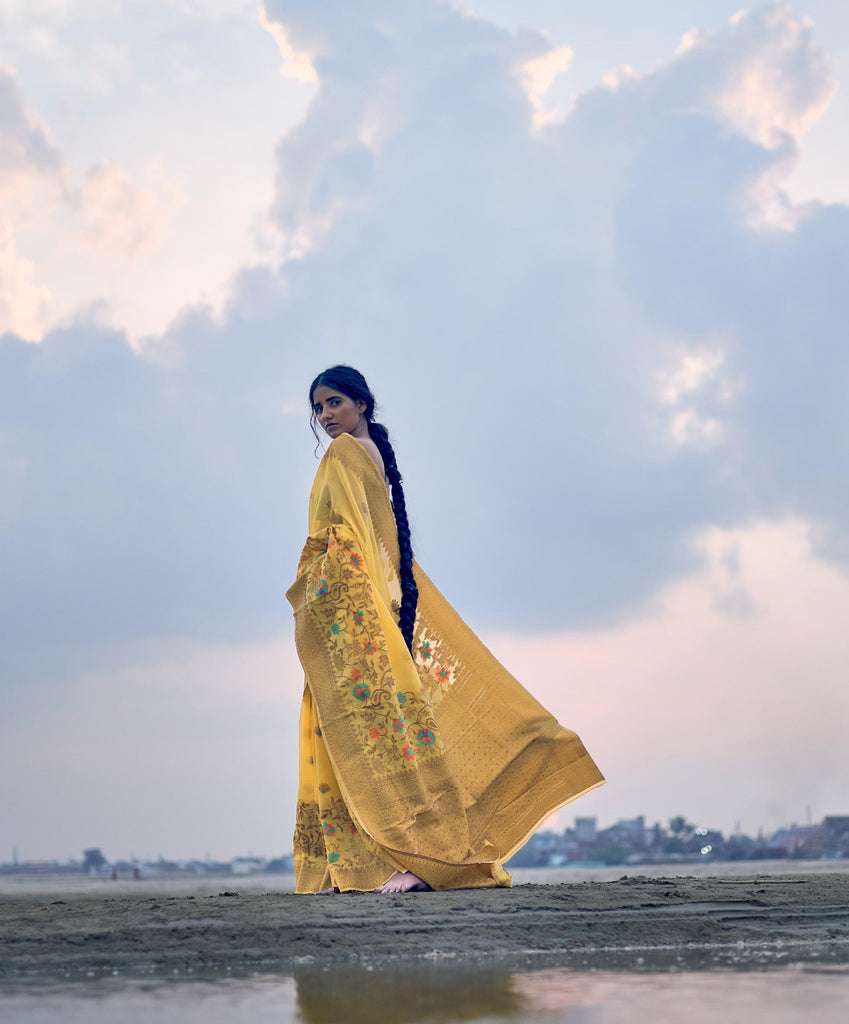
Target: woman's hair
352, 383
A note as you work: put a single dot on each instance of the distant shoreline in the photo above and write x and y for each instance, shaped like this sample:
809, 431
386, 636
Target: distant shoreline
753, 921
187, 884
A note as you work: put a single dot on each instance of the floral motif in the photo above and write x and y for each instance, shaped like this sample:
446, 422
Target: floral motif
328, 828
323, 787
322, 588
351, 848
309, 841
318, 731
389, 709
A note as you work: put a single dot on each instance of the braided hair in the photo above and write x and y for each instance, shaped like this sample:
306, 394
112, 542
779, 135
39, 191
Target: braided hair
352, 383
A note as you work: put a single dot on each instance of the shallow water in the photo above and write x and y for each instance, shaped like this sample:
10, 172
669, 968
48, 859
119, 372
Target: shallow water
432, 995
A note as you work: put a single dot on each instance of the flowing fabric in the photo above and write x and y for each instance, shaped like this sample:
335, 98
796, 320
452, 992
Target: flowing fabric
439, 763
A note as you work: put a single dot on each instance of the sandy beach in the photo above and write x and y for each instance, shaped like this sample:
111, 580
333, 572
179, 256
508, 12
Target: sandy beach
632, 923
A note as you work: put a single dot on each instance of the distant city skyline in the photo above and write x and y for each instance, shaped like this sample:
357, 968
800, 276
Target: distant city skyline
583, 828
627, 841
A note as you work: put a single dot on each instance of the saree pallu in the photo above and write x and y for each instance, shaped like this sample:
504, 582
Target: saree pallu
439, 763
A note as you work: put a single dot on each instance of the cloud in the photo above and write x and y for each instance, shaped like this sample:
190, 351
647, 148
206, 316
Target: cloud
537, 75
742, 663
24, 303
294, 64
119, 216
513, 296
184, 99
782, 84
111, 214
31, 167
691, 374
626, 225
695, 377
25, 145
68, 39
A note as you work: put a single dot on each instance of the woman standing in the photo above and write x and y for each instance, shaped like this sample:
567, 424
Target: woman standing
423, 762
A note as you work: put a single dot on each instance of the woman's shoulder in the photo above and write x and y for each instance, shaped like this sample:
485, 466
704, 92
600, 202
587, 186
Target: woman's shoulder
360, 451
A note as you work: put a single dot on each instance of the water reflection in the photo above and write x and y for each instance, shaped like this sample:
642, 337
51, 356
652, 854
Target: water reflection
435, 994
408, 995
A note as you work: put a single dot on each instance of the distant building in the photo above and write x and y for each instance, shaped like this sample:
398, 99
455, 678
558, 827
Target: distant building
836, 829
586, 830
629, 833
792, 840
285, 864
247, 865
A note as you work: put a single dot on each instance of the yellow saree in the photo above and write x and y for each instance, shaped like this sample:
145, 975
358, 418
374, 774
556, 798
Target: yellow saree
442, 763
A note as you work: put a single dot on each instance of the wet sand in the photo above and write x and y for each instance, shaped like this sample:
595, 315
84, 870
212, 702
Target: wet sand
633, 923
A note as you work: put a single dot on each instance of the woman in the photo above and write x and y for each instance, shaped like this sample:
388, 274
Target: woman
423, 763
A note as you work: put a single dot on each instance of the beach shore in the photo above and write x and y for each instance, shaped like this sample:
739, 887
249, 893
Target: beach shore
632, 923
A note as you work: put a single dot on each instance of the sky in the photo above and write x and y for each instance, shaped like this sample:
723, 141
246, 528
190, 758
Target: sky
592, 259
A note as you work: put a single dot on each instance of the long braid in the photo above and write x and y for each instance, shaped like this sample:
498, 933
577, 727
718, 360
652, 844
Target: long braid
409, 591
348, 381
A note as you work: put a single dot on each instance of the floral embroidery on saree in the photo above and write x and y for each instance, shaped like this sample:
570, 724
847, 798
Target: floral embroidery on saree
346, 612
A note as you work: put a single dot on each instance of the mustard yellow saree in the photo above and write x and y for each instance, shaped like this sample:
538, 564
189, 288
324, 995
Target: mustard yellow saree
442, 763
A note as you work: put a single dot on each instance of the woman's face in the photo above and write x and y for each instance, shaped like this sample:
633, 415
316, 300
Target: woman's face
339, 414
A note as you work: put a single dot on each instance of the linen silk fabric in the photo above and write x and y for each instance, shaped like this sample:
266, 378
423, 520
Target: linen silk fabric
440, 763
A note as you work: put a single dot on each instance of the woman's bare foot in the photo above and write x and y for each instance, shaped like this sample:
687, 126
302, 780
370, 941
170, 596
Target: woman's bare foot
404, 881
327, 892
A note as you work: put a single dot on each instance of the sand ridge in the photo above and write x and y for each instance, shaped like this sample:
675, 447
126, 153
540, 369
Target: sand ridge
634, 923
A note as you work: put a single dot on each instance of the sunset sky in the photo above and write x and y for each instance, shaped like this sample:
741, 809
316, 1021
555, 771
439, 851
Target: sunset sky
593, 259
